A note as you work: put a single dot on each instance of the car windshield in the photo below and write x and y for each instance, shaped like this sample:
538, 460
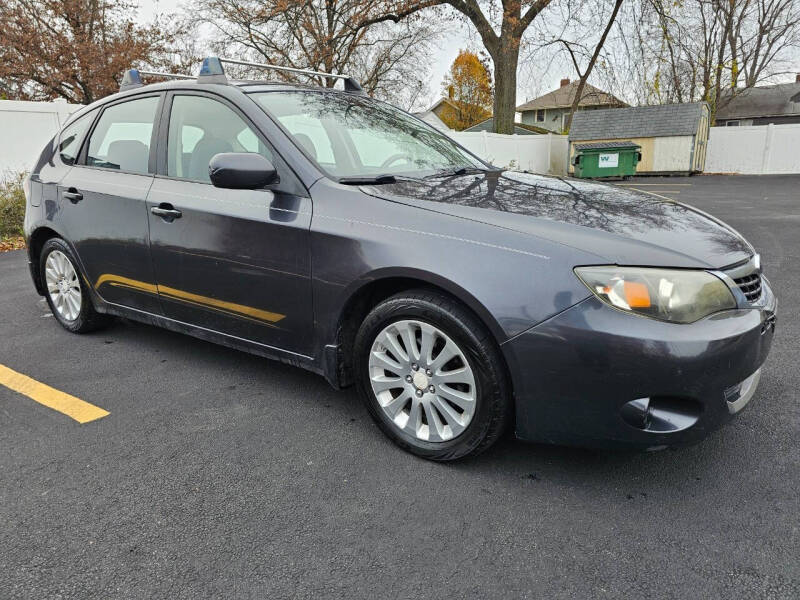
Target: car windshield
354, 136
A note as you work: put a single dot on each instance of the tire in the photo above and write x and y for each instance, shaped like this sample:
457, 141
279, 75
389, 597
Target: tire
424, 395
69, 299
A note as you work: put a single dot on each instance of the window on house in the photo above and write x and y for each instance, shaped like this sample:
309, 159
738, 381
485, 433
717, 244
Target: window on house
540, 115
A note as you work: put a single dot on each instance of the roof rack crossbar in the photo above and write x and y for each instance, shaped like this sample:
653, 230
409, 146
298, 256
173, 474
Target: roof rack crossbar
350, 84
166, 75
132, 78
213, 72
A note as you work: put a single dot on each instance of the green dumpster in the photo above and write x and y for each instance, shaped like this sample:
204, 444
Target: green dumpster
606, 159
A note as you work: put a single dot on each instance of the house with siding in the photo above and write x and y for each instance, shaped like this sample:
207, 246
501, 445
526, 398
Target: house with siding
432, 118
778, 104
673, 137
550, 111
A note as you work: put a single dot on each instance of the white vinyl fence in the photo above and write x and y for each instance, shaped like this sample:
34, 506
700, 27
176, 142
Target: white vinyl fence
25, 127
757, 150
535, 153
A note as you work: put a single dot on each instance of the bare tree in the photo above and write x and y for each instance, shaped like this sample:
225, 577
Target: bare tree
766, 35
583, 74
709, 50
356, 37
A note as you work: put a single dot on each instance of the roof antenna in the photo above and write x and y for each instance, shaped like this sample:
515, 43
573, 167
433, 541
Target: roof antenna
212, 71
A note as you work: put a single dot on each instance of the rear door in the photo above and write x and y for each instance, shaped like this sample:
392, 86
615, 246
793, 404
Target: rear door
101, 203
233, 261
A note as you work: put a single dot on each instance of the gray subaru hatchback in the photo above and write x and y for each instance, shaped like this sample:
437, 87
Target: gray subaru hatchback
322, 228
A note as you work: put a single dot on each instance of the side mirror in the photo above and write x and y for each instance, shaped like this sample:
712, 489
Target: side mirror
241, 171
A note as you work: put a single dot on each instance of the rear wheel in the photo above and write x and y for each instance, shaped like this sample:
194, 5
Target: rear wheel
431, 377
66, 294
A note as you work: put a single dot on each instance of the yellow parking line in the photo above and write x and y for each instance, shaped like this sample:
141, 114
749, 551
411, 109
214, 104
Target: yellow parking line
73, 407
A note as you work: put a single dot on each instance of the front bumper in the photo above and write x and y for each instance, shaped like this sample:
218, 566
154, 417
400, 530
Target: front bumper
577, 375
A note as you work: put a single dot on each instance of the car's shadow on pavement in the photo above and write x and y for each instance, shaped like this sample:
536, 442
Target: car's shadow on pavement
633, 472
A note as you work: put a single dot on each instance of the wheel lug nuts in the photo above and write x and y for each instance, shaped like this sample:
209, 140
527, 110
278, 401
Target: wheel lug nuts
431, 389
415, 366
419, 393
428, 372
409, 379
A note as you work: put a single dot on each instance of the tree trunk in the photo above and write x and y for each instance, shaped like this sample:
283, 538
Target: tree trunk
505, 86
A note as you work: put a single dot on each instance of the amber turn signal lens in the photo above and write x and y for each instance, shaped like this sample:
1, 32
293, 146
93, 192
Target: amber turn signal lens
637, 295
674, 295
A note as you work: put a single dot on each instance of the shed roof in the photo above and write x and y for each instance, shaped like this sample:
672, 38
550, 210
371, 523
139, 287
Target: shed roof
766, 101
606, 145
637, 122
563, 96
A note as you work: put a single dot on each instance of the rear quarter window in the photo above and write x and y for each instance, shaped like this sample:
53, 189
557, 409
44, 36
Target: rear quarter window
69, 142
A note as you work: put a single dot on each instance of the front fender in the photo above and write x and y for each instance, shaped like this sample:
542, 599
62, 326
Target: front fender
425, 278
511, 280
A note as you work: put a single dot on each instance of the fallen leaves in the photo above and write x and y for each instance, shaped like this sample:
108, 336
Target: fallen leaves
16, 242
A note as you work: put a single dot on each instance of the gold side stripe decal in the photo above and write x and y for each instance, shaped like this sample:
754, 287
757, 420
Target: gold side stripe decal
241, 309
73, 407
264, 315
118, 280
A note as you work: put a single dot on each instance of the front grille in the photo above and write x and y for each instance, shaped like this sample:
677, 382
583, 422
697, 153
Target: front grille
750, 286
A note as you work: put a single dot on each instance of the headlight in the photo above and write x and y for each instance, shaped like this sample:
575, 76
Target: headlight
669, 294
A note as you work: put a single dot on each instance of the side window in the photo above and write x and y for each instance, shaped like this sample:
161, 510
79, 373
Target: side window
201, 127
121, 139
69, 143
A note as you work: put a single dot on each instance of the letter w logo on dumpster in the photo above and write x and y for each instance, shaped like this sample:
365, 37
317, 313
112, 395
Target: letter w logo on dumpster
608, 160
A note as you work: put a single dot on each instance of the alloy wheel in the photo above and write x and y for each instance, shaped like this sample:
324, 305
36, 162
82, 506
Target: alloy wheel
422, 381
63, 285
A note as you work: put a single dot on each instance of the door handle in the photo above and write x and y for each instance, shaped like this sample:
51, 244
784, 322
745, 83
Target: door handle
73, 195
166, 211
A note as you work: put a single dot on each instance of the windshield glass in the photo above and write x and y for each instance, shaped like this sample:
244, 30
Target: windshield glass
354, 136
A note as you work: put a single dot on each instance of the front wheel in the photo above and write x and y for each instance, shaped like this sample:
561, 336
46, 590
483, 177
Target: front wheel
431, 376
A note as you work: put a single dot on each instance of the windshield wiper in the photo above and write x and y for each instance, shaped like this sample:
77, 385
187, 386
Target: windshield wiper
375, 180
456, 172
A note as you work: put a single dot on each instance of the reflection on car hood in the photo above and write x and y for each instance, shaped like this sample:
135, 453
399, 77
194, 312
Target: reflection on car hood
621, 225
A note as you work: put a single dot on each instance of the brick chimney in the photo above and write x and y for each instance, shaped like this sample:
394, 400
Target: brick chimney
566, 82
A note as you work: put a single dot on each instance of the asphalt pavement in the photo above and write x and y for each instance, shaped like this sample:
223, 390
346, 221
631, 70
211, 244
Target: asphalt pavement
220, 474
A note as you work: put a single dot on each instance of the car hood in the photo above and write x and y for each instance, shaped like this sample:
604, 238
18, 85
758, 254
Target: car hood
619, 225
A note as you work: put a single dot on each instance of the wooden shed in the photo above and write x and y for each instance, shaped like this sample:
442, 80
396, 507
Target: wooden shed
673, 137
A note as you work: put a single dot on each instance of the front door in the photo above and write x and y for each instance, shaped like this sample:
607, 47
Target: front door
233, 261
101, 204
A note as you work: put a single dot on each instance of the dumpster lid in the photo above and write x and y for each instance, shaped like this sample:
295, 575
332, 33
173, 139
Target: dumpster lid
607, 146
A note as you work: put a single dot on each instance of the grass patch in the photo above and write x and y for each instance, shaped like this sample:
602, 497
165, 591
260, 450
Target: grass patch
12, 211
